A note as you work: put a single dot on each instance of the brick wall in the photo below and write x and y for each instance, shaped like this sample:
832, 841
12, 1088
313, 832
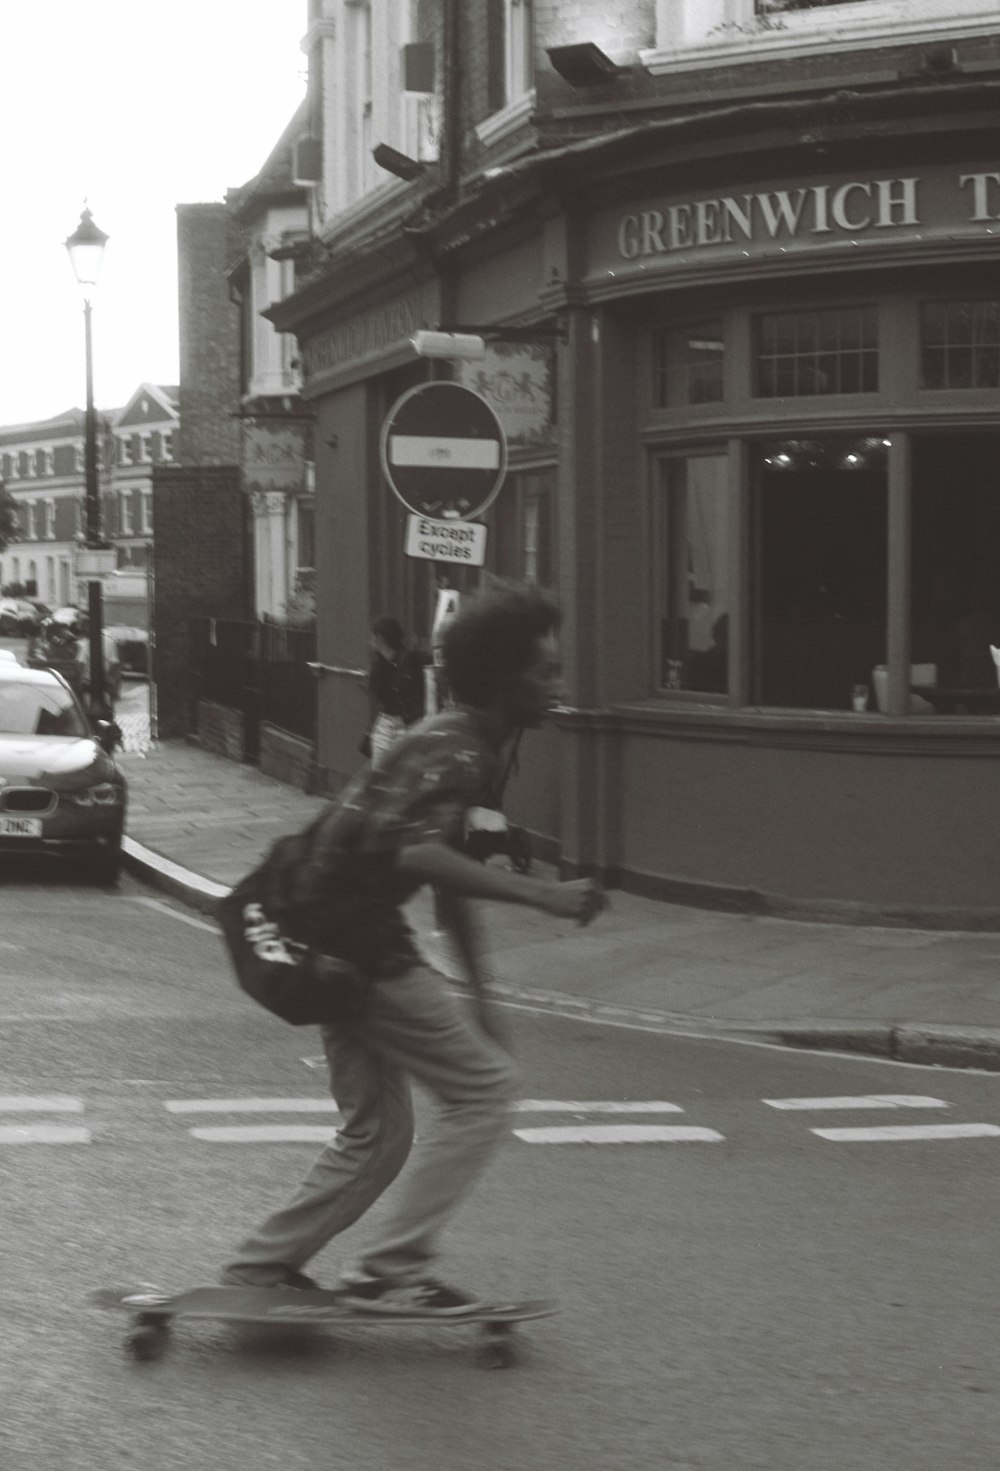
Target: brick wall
288, 758
220, 729
201, 567
209, 338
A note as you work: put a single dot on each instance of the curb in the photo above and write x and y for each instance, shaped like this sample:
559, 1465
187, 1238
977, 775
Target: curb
172, 878
939, 1045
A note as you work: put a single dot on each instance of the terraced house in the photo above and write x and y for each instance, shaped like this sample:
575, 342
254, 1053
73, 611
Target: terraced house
734, 268
42, 466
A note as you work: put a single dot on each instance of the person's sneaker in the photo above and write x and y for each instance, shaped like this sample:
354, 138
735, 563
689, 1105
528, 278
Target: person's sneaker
287, 1277
426, 1297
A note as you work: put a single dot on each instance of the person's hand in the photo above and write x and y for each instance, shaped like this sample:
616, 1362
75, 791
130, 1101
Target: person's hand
579, 899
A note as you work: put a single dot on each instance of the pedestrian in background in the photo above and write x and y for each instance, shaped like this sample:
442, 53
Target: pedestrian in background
395, 686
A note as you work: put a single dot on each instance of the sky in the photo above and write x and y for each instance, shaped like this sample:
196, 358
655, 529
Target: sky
135, 108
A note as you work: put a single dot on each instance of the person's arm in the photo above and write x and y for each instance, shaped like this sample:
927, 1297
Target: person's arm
459, 918
453, 873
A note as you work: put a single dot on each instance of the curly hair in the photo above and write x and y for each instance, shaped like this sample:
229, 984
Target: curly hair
492, 640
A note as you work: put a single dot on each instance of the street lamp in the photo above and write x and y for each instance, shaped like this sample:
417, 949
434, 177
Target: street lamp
85, 248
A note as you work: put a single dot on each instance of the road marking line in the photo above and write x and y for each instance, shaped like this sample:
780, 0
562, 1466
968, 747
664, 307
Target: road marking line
45, 1103
863, 1100
250, 1105
570, 1105
619, 1134
266, 1134
902, 1132
43, 1134
196, 924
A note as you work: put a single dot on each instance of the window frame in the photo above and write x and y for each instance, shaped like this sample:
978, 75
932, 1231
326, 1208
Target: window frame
737, 34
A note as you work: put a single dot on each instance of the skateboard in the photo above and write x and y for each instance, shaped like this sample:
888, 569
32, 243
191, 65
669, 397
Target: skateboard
153, 1311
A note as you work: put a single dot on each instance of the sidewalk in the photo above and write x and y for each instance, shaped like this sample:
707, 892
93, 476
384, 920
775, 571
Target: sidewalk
198, 822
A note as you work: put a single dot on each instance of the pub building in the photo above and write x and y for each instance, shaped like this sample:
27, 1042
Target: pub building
754, 445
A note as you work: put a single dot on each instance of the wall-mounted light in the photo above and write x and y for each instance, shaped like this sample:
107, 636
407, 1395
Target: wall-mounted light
584, 64
397, 163
448, 345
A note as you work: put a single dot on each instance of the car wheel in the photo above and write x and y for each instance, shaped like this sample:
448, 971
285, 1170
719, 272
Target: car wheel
107, 865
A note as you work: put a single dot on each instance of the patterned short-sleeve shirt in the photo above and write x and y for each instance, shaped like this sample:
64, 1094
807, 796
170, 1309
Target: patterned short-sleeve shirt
421, 792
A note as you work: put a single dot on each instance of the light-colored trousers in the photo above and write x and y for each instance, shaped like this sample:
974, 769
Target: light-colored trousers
386, 731
414, 1027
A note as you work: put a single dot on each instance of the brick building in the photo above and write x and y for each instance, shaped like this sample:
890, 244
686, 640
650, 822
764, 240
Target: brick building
734, 265
42, 466
235, 514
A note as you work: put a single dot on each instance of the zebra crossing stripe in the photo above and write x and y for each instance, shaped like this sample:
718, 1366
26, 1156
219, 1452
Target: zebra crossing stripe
266, 1134
549, 1105
619, 1134
44, 1134
863, 1100
900, 1133
250, 1105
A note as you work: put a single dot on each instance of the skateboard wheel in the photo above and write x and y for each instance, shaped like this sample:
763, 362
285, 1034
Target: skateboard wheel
498, 1350
498, 1355
146, 1343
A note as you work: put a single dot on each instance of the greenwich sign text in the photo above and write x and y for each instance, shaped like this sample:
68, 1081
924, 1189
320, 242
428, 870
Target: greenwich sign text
805, 211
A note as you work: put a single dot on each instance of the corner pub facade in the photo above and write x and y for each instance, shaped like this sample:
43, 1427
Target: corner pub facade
754, 448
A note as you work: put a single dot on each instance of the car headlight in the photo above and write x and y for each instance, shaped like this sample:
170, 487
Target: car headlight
104, 794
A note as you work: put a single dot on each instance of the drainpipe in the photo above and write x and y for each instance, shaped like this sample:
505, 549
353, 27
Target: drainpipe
451, 139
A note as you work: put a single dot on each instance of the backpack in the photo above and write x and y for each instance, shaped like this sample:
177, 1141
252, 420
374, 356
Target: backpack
302, 985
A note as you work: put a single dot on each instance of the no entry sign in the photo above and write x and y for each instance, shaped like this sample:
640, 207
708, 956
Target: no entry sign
443, 451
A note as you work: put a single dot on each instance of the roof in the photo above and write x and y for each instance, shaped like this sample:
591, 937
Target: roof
276, 178
70, 423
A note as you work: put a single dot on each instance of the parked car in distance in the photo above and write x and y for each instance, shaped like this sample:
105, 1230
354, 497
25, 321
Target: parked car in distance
63, 645
18, 617
60, 789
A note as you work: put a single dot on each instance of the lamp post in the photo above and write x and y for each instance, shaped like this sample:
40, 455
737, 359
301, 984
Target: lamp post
85, 248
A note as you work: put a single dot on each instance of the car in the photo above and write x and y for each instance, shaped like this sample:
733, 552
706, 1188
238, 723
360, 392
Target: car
64, 646
61, 791
17, 617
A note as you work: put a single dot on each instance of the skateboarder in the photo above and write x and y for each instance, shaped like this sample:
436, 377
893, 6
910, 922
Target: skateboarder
394, 829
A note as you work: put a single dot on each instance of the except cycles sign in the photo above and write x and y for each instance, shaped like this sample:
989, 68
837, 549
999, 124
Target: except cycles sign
463, 543
443, 451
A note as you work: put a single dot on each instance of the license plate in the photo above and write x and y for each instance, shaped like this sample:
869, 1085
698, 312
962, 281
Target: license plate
20, 827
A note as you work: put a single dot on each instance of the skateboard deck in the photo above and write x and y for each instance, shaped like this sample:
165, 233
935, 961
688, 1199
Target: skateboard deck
153, 1310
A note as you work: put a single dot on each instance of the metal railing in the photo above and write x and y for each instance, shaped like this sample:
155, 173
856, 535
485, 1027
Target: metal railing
261, 670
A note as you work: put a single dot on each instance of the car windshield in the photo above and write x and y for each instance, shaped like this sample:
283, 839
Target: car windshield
32, 709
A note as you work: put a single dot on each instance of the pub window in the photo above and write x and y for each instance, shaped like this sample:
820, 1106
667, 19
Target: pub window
694, 562
806, 354
819, 558
960, 344
521, 540
955, 541
687, 365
